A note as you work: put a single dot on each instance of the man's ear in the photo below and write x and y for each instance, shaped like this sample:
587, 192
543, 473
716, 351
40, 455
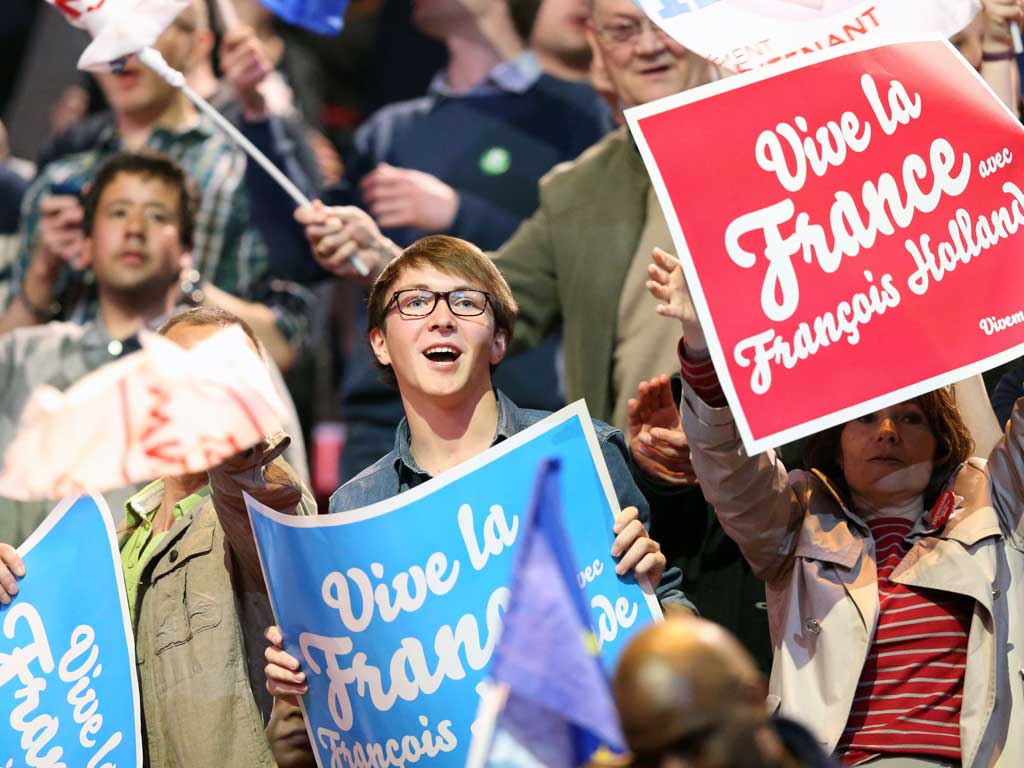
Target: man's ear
598, 73
185, 261
499, 346
378, 341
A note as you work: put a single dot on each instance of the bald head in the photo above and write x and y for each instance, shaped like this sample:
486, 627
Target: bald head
685, 677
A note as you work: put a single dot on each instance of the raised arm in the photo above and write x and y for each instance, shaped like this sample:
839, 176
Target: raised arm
752, 496
976, 409
264, 475
1006, 474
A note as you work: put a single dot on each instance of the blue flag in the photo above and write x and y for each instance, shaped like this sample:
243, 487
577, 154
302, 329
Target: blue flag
68, 691
321, 16
559, 707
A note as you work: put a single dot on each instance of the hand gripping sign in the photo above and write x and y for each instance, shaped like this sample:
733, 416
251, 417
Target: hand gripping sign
849, 230
741, 35
395, 609
68, 691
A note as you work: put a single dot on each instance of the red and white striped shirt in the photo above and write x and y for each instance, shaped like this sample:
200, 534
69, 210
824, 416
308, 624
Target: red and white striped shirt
911, 689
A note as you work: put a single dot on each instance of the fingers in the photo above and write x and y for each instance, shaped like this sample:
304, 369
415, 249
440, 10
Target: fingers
12, 568
669, 438
669, 447
243, 58
274, 636
382, 182
660, 279
60, 227
624, 517
634, 418
651, 566
664, 260
676, 473
625, 540
642, 550
393, 213
284, 674
279, 683
662, 388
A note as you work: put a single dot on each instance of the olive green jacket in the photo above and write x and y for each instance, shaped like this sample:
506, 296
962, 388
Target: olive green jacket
201, 611
567, 263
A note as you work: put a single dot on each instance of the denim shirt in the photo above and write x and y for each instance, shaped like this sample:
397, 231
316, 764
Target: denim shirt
398, 472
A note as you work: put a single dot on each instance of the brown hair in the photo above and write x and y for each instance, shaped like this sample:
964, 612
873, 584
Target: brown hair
954, 445
149, 165
209, 316
452, 256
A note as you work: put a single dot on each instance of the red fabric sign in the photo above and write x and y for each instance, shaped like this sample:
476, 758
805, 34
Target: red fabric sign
849, 230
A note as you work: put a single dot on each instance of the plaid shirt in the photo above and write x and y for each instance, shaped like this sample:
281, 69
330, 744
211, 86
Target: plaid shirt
226, 252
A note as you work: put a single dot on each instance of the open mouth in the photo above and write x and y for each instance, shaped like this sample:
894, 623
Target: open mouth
442, 354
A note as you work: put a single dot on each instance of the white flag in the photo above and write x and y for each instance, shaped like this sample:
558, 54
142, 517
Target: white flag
118, 27
741, 35
159, 412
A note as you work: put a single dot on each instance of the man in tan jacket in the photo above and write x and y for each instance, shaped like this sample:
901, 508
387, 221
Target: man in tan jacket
196, 595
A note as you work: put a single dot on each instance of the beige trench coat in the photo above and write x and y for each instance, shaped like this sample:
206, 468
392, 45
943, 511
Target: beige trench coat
818, 561
201, 611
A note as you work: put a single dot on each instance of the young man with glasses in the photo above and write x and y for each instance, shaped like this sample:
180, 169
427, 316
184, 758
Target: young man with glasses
441, 318
580, 262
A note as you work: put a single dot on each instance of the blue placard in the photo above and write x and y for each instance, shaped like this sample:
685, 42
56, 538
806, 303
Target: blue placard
394, 609
68, 691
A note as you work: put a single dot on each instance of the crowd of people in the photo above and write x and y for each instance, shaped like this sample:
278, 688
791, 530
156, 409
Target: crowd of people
479, 252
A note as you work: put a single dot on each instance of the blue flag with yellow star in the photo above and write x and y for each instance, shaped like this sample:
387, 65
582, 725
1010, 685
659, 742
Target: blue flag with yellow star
559, 708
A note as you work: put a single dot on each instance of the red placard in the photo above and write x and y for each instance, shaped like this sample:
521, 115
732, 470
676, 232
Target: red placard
848, 229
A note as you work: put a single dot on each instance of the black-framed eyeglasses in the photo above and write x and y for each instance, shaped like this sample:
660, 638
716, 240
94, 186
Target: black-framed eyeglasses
627, 31
419, 302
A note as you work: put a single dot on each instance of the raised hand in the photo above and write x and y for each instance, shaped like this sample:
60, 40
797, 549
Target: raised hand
339, 234
668, 286
402, 197
246, 64
60, 231
999, 14
656, 438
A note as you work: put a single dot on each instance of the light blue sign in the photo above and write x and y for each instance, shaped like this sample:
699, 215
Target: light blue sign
395, 609
68, 692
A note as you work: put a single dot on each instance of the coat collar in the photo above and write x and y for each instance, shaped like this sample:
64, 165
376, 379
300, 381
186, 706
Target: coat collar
939, 559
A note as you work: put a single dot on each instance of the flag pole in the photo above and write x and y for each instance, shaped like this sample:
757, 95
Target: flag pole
153, 59
228, 15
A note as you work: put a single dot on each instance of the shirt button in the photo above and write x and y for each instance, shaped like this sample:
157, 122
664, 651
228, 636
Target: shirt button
115, 348
812, 626
174, 555
996, 593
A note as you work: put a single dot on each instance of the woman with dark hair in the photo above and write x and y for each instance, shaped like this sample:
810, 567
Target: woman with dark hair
893, 567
